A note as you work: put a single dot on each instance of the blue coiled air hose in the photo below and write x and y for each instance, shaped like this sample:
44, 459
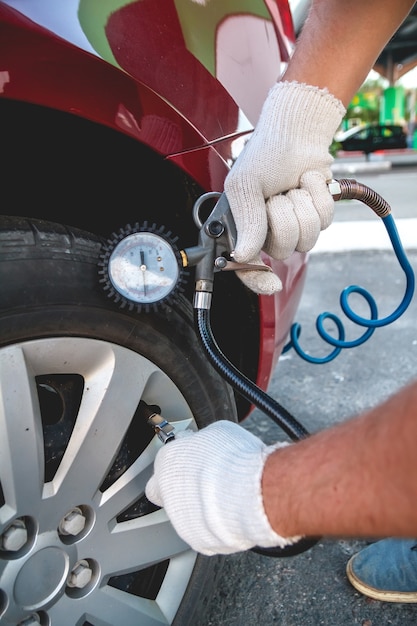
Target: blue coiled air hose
350, 189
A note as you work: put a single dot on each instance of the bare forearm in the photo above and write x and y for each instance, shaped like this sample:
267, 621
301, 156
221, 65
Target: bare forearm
356, 479
341, 41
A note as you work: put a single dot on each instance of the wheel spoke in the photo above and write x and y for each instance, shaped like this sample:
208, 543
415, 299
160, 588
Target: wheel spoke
106, 607
114, 380
20, 435
129, 487
121, 556
132, 483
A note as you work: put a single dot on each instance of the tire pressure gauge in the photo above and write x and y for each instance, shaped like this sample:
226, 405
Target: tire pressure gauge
141, 267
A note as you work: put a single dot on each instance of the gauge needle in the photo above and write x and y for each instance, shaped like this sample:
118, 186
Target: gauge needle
143, 269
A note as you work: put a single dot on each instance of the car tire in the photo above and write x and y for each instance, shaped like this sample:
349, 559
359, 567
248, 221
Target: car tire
80, 544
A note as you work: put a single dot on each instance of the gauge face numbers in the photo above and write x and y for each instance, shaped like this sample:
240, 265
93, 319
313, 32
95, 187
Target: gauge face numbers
143, 268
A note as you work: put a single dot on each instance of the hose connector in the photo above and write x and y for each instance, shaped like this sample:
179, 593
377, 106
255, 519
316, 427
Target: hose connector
350, 189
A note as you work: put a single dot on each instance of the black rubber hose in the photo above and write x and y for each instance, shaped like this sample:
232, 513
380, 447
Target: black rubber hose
262, 401
241, 383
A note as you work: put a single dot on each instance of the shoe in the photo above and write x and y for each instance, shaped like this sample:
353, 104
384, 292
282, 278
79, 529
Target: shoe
386, 570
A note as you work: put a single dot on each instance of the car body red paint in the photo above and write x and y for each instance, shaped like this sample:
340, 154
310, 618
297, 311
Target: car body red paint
184, 79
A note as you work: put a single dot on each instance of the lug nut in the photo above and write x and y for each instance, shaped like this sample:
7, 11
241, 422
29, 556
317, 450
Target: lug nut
15, 536
80, 575
72, 523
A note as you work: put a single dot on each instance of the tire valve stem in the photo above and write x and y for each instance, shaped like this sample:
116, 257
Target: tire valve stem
163, 429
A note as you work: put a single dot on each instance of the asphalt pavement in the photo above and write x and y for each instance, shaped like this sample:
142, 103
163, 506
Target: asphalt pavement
311, 589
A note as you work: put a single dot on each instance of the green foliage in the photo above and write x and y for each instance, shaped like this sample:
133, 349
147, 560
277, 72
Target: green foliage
366, 103
334, 148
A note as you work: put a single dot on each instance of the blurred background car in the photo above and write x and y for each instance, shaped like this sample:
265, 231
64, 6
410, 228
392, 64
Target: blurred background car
372, 137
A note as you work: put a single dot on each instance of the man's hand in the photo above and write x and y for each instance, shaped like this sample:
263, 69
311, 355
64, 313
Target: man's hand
209, 483
277, 189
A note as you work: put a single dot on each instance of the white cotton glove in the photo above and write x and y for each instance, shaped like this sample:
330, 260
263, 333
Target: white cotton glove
277, 187
209, 483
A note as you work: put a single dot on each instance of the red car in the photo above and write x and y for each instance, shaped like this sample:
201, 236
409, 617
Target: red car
111, 114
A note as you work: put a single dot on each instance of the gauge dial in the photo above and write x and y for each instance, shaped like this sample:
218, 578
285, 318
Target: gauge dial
143, 266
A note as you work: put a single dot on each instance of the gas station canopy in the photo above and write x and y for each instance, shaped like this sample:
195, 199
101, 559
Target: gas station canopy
400, 54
